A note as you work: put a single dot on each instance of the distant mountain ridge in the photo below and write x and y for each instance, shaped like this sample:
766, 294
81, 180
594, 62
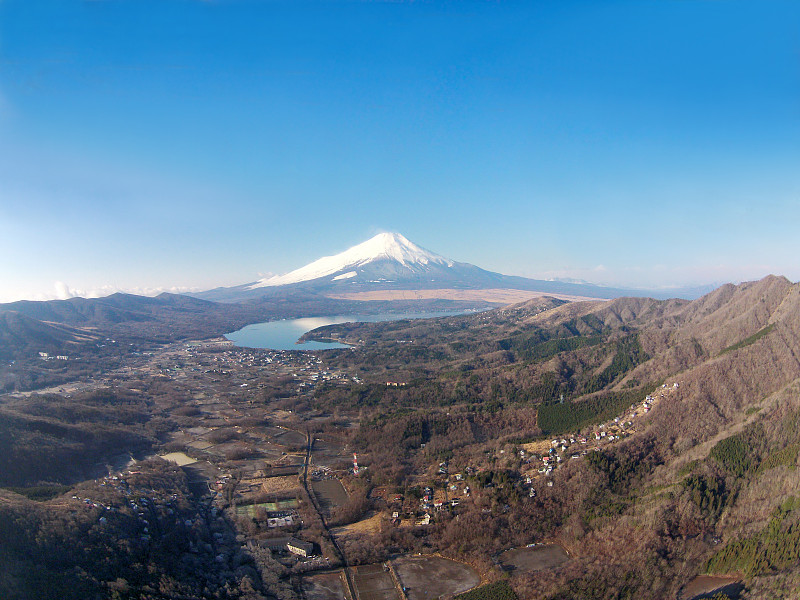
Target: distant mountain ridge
329, 285
28, 326
389, 261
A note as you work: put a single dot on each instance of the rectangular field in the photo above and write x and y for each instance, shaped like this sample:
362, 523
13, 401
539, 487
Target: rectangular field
324, 586
534, 558
374, 583
277, 485
179, 458
249, 510
432, 576
330, 493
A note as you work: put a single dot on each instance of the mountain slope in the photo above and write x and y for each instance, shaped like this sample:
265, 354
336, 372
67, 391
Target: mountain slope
704, 482
19, 333
385, 254
729, 349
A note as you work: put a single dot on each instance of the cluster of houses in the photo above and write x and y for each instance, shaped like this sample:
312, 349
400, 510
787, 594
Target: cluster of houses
92, 503
46, 356
142, 506
429, 501
310, 379
558, 450
240, 361
607, 432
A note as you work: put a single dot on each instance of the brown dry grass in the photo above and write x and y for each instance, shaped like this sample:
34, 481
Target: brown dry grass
371, 526
540, 447
499, 296
275, 485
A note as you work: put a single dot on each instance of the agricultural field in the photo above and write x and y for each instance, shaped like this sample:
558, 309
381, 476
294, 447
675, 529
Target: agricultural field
328, 453
179, 458
324, 586
291, 438
432, 576
373, 582
534, 558
279, 485
200, 444
330, 492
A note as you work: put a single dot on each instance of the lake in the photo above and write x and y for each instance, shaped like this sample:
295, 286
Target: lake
283, 335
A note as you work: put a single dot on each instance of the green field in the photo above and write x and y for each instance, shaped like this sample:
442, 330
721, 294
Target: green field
249, 510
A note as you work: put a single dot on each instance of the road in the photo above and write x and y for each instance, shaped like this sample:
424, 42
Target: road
345, 567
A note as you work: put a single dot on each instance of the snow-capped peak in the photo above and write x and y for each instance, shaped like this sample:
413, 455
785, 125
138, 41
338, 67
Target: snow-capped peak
384, 246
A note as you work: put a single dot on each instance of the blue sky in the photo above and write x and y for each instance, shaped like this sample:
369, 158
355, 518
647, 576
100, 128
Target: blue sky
150, 145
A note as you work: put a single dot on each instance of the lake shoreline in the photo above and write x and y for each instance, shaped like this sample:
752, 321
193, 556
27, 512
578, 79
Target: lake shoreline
289, 334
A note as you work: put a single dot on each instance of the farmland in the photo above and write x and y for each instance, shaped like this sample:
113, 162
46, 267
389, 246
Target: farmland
330, 493
534, 558
433, 576
324, 586
374, 582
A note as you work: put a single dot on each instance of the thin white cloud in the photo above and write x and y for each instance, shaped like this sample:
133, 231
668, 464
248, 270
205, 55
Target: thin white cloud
62, 290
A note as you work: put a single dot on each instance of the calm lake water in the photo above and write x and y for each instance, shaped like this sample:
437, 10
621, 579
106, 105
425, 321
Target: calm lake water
283, 335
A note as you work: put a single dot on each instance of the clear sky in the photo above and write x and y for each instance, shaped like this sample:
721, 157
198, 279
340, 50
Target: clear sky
157, 144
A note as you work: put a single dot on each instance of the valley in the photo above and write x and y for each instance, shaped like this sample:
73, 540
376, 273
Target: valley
549, 449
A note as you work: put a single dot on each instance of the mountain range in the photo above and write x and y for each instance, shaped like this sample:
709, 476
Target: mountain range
387, 273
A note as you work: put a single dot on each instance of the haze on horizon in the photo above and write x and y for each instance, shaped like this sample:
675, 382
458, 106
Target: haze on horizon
188, 145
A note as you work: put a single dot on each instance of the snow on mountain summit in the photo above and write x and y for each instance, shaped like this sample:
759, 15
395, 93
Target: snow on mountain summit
385, 263
383, 247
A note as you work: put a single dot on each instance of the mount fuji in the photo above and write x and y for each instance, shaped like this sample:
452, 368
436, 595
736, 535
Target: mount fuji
389, 261
385, 258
